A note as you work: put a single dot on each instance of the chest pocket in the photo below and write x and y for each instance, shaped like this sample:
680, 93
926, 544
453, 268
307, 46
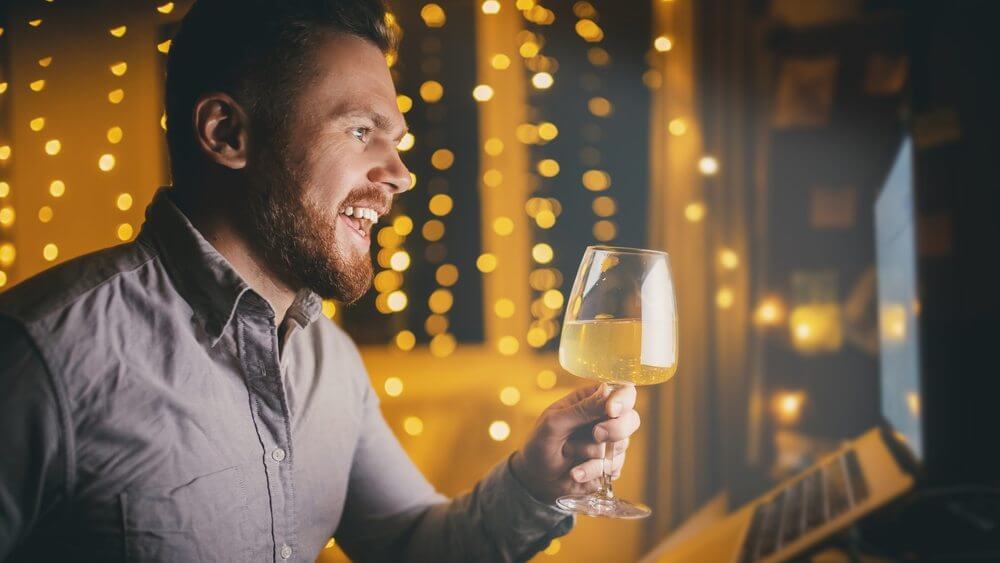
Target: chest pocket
205, 519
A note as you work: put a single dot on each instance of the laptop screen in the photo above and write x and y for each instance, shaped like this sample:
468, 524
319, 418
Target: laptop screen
898, 303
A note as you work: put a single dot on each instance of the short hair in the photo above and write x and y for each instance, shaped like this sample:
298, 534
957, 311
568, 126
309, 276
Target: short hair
260, 52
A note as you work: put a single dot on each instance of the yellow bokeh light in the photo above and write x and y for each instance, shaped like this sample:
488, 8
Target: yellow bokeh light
482, 93
553, 547
596, 180
536, 337
406, 340
486, 263
504, 308
35, 22
603, 206
116, 96
106, 162
548, 167
493, 146
708, 165
165, 8
3, 87
500, 61
433, 15
770, 312
542, 80
52, 147
545, 219
399, 261
446, 275
164, 46
57, 188
431, 91
440, 301
37, 124
4, 189
542, 253
787, 406
694, 211
406, 143
45, 214
605, 230
492, 177
118, 31
7, 254
442, 159
163, 121
413, 425
7, 216
37, 85
387, 280
442, 345
589, 30
499, 430
677, 127
510, 396
5, 152
503, 226
50, 252
508, 345
724, 298
45, 62
396, 301
393, 386
403, 225
433, 230
598, 56
124, 232
329, 308
440, 205
599, 106
3, 278
404, 103
124, 201
119, 68
553, 299
663, 44
491, 7
115, 135
728, 259
528, 49
547, 131
527, 133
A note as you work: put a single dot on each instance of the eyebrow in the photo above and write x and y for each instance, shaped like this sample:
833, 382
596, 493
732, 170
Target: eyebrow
382, 123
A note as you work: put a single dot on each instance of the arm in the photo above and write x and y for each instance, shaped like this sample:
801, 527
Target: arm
34, 468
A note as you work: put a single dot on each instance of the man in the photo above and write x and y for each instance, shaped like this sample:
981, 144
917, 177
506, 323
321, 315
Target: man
180, 398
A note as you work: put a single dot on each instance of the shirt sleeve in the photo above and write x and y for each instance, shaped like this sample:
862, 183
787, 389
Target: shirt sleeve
393, 514
33, 469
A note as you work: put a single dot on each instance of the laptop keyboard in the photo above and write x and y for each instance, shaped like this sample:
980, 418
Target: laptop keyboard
821, 495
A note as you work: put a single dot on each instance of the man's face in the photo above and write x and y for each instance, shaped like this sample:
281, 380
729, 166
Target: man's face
335, 153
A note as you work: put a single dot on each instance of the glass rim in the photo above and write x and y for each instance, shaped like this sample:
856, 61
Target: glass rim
627, 250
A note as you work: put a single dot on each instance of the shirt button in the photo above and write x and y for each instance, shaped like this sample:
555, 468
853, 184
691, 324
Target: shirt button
286, 551
278, 454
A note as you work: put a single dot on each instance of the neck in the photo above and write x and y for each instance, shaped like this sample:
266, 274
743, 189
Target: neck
215, 222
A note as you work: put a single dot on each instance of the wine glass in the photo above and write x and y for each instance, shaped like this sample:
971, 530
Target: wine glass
620, 327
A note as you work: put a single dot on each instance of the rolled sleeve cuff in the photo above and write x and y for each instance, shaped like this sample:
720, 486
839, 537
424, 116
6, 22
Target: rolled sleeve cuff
522, 524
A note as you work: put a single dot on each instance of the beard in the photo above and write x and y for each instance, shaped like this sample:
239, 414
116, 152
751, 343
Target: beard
298, 238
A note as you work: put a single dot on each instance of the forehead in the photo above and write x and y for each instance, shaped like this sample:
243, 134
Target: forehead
351, 73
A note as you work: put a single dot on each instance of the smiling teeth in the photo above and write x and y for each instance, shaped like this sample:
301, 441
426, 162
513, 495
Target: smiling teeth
362, 213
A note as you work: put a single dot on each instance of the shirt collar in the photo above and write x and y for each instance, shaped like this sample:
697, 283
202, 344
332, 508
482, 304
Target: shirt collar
204, 277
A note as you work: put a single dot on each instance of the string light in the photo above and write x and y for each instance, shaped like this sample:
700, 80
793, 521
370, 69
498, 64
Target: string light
45, 62
50, 252
116, 96
493, 177
663, 44
404, 103
510, 396
393, 386
406, 340
118, 31
500, 61
548, 168
491, 7
553, 547
45, 214
482, 93
329, 308
433, 15
499, 430
728, 259
413, 426
115, 135
124, 232
106, 163
406, 143
708, 165
542, 253
442, 345
599, 106
596, 180
431, 91
164, 46
52, 147
677, 127
694, 212
542, 80
165, 8
57, 188
504, 308
37, 124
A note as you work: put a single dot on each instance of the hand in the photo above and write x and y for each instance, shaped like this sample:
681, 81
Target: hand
563, 454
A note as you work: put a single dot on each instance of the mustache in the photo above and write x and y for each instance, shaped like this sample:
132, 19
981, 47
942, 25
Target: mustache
369, 196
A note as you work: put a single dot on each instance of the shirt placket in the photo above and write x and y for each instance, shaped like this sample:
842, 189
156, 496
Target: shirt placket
258, 340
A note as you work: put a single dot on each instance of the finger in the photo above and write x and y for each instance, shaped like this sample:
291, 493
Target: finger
579, 450
617, 428
621, 400
561, 422
575, 396
592, 468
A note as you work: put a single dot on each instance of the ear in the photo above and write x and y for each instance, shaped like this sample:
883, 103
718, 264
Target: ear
221, 130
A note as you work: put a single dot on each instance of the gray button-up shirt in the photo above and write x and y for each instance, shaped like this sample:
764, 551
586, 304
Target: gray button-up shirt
151, 410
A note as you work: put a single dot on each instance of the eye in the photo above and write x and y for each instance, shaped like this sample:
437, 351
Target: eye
361, 133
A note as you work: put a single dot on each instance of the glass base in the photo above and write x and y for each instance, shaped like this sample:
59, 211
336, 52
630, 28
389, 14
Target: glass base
595, 505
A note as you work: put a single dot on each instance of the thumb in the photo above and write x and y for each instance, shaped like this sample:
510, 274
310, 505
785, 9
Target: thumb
587, 410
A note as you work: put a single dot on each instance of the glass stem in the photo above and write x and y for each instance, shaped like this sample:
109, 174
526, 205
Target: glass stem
605, 491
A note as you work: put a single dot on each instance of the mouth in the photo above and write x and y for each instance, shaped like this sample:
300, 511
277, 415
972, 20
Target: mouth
360, 220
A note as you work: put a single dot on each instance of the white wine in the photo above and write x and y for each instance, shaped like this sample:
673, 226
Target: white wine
643, 352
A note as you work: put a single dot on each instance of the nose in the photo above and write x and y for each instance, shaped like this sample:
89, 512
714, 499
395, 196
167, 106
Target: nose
391, 173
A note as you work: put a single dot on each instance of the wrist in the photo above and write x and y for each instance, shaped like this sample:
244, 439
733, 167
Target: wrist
521, 471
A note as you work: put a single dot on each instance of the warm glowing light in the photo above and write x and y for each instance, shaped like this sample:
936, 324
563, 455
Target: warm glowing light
37, 124
50, 252
3, 87
503, 226
486, 263
499, 430
589, 30
694, 212
816, 327
57, 188
52, 147
605, 230
431, 91
596, 180
500, 61
433, 230
603, 206
396, 301
124, 232
165, 8
493, 146
545, 219
35, 22
442, 345
7, 254
124, 201
546, 379
413, 425
399, 261
45, 62
528, 49
387, 280
440, 301
106, 162
404, 103
393, 386
116, 96
440, 205
163, 121
598, 56
770, 312
406, 340
508, 345
482, 93
542, 80
510, 396
547, 131
724, 298
491, 7
329, 308
553, 299
536, 337
542, 253
892, 321
553, 547
433, 15
446, 275
115, 135
913, 403
492, 177
548, 167
3, 275
728, 259
527, 133
708, 165
5, 152
442, 159
406, 143
7, 216
663, 44
45, 214
119, 69
164, 46
677, 127
4, 189
599, 106
37, 85
787, 406
403, 225
504, 308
